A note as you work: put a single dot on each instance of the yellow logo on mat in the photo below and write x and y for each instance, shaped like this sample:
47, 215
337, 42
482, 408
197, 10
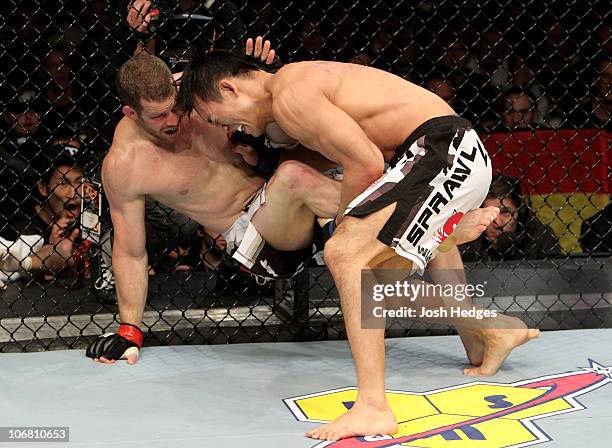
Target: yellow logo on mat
473, 415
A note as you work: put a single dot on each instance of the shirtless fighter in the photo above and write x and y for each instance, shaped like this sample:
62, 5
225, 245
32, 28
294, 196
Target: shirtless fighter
192, 167
361, 117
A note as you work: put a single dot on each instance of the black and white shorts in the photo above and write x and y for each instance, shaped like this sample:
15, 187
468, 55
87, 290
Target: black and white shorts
440, 173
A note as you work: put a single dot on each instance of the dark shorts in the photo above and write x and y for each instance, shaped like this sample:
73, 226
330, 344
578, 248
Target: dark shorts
440, 172
261, 260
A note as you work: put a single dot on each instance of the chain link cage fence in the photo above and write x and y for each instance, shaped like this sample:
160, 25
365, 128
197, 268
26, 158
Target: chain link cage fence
534, 78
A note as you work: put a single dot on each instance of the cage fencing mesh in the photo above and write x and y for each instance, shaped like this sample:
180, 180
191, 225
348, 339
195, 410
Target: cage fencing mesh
534, 78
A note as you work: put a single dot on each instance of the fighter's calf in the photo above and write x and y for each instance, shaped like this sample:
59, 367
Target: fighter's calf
294, 196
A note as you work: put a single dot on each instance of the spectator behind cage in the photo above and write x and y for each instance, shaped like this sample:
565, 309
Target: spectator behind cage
61, 169
491, 57
596, 110
596, 232
474, 93
30, 253
68, 102
444, 89
23, 128
23, 136
516, 233
517, 110
43, 237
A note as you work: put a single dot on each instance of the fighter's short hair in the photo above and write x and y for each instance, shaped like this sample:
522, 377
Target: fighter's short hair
144, 76
201, 77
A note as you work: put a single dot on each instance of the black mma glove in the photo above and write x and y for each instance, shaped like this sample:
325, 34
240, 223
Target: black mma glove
114, 345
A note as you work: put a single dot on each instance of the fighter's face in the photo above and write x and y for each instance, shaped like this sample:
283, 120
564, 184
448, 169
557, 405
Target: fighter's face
232, 111
160, 119
507, 219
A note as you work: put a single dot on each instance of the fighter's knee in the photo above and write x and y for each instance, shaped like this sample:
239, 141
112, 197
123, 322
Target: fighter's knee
332, 254
293, 175
337, 249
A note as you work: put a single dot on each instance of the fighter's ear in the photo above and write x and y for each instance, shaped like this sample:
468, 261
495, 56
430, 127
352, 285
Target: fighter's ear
129, 112
226, 86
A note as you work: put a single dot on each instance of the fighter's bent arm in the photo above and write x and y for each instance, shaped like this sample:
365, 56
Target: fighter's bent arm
306, 114
129, 250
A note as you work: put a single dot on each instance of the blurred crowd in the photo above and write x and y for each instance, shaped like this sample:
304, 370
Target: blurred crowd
530, 66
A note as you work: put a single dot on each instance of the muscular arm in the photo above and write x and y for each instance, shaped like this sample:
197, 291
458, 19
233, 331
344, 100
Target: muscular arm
306, 114
129, 252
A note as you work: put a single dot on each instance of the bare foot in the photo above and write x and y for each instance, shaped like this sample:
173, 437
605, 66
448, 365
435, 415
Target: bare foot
471, 225
474, 346
360, 420
498, 343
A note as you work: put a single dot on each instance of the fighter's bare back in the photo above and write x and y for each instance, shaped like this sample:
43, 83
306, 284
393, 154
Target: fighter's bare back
200, 177
386, 107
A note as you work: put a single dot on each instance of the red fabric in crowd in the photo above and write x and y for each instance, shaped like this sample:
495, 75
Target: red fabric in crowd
554, 161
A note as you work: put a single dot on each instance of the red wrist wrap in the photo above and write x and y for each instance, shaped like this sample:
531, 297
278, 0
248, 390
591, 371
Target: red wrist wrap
131, 333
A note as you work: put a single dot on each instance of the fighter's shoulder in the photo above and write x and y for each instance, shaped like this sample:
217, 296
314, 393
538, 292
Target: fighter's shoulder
302, 72
302, 79
115, 170
120, 166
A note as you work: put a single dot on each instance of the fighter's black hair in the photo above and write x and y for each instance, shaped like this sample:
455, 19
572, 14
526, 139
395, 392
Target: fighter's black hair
201, 76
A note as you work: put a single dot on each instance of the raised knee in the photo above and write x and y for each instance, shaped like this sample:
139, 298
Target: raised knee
293, 175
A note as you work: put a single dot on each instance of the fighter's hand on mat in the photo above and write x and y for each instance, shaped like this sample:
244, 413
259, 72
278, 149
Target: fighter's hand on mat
260, 49
124, 344
138, 17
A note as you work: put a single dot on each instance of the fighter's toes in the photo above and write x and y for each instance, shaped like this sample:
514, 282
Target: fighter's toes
471, 225
474, 371
325, 434
315, 433
335, 435
482, 370
359, 421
